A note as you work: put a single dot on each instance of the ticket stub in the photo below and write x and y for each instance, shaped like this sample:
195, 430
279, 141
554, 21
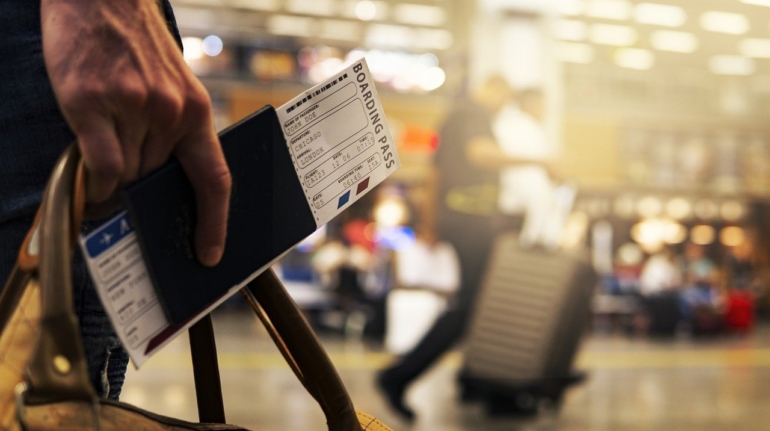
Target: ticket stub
340, 145
339, 140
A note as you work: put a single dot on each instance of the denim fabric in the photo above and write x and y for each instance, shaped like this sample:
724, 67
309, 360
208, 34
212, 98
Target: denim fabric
33, 133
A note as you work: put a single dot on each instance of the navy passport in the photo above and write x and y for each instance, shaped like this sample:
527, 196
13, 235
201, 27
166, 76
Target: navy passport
269, 214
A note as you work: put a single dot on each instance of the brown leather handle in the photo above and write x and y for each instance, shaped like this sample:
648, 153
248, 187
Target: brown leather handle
57, 369
301, 348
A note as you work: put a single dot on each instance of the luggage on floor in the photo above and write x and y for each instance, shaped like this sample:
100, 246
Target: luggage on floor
740, 311
526, 327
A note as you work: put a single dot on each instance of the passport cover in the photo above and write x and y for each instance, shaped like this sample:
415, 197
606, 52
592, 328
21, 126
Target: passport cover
269, 214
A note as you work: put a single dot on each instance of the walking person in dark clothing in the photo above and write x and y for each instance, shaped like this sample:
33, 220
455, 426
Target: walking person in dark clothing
467, 160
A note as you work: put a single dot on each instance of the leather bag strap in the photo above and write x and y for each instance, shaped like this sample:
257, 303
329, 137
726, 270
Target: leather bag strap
208, 386
299, 345
57, 369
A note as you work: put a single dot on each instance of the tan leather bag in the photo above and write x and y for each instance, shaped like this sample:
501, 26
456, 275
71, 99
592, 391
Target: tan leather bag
43, 377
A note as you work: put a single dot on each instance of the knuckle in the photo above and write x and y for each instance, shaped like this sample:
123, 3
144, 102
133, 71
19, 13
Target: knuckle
198, 106
167, 105
108, 167
131, 94
82, 96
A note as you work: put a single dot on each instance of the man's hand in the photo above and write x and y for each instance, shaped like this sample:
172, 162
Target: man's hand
132, 102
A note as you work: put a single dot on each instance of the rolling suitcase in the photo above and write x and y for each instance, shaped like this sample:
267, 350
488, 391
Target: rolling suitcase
526, 327
740, 311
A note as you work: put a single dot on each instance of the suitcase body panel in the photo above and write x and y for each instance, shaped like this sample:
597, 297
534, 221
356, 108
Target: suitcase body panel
530, 315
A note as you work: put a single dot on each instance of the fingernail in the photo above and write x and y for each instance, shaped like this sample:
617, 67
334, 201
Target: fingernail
212, 256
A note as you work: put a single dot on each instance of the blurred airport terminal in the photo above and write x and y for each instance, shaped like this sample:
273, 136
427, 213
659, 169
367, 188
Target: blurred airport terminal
637, 190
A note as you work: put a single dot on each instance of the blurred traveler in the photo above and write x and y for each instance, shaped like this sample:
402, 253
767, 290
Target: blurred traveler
468, 160
660, 274
110, 74
740, 268
700, 295
659, 284
528, 187
627, 269
427, 274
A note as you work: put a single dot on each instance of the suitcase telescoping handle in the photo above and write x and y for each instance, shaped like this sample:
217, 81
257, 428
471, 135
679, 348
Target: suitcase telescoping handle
57, 369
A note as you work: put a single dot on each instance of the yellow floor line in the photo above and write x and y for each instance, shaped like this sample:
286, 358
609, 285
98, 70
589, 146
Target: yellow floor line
648, 359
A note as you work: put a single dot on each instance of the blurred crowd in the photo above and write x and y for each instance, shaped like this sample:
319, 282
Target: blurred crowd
703, 290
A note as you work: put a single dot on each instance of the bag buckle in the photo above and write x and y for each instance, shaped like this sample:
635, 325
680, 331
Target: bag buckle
20, 390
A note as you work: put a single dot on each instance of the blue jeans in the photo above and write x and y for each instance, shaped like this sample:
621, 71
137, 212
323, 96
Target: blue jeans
33, 133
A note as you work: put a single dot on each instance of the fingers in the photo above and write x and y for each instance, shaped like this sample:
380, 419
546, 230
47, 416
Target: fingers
166, 111
128, 99
132, 133
201, 158
103, 157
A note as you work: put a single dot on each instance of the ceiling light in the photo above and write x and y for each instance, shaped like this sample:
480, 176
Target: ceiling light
674, 41
428, 60
660, 14
653, 233
579, 53
288, 25
572, 7
732, 236
732, 65
366, 10
702, 234
567, 29
619, 10
255, 4
616, 35
725, 22
674, 233
634, 58
432, 78
419, 14
193, 48
212, 45
753, 47
312, 7
679, 208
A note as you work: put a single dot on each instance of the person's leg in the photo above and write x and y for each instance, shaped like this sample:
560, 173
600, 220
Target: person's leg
107, 359
394, 381
472, 252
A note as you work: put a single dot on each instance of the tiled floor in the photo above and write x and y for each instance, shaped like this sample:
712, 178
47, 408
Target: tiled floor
682, 385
